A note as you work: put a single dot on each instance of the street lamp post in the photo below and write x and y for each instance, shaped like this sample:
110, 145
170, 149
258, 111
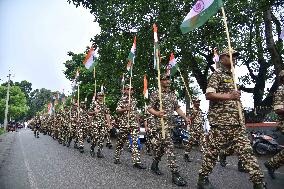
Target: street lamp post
7, 104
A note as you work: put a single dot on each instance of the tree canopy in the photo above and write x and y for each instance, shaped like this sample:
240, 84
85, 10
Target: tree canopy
254, 28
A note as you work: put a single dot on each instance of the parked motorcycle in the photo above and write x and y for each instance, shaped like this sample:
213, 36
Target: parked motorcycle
264, 144
180, 136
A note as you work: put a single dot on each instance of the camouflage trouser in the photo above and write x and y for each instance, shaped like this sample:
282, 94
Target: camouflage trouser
196, 134
98, 135
224, 137
161, 146
122, 138
80, 135
72, 133
108, 141
277, 160
149, 138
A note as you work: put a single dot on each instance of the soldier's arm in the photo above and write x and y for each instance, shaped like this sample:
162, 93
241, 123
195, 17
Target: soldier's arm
180, 112
211, 91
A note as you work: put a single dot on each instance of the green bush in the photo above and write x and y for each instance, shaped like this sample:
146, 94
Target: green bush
1, 131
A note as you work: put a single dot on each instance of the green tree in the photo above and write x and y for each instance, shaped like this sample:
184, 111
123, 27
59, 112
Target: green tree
39, 98
17, 103
254, 28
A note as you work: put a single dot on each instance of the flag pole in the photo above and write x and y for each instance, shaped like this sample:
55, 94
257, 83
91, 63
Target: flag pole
129, 92
160, 91
95, 82
231, 60
189, 96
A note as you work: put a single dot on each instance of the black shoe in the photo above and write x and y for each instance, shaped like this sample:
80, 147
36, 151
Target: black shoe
110, 145
241, 167
116, 161
259, 185
75, 145
88, 139
139, 166
92, 152
99, 154
155, 168
81, 149
68, 143
203, 183
270, 170
177, 179
64, 144
222, 160
186, 158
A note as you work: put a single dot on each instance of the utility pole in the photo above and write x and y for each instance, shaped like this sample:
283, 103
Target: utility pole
7, 104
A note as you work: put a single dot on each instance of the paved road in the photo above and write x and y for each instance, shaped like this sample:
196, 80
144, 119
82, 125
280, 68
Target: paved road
30, 163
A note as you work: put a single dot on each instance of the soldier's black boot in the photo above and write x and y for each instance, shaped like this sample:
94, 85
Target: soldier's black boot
241, 167
186, 158
222, 160
69, 142
100, 154
75, 145
177, 179
92, 151
155, 168
259, 185
109, 145
270, 170
139, 166
117, 161
88, 139
81, 149
203, 183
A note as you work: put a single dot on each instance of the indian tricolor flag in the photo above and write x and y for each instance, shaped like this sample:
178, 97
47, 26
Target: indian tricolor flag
172, 66
156, 46
90, 59
131, 55
145, 91
199, 14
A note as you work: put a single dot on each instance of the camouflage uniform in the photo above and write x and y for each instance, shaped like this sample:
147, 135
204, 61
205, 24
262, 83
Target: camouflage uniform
72, 133
82, 126
99, 127
125, 129
196, 130
278, 160
150, 132
226, 130
161, 146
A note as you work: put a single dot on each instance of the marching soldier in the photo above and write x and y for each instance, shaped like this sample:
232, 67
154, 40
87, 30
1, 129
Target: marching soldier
101, 113
196, 128
226, 126
72, 127
161, 146
128, 124
82, 125
278, 160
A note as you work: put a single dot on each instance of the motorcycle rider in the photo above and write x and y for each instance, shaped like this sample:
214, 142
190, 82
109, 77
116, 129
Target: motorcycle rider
278, 160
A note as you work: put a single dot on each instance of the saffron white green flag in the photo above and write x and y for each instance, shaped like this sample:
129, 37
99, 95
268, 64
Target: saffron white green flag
199, 14
131, 55
90, 59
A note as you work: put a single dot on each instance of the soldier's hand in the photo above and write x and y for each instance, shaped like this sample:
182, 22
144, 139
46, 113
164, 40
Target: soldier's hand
188, 121
235, 95
160, 114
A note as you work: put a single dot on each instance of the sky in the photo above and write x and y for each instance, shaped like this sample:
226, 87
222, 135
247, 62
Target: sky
35, 36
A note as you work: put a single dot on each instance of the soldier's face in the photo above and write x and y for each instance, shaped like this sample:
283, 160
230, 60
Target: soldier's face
100, 98
196, 104
165, 82
225, 59
127, 90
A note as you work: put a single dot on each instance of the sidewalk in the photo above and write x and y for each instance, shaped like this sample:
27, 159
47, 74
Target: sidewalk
6, 141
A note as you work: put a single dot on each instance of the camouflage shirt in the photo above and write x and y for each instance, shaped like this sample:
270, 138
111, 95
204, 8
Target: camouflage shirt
169, 105
103, 110
197, 121
123, 117
222, 112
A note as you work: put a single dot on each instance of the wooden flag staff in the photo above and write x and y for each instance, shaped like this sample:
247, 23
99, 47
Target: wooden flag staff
231, 60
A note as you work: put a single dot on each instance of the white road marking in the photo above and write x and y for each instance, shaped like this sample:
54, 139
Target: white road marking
30, 173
